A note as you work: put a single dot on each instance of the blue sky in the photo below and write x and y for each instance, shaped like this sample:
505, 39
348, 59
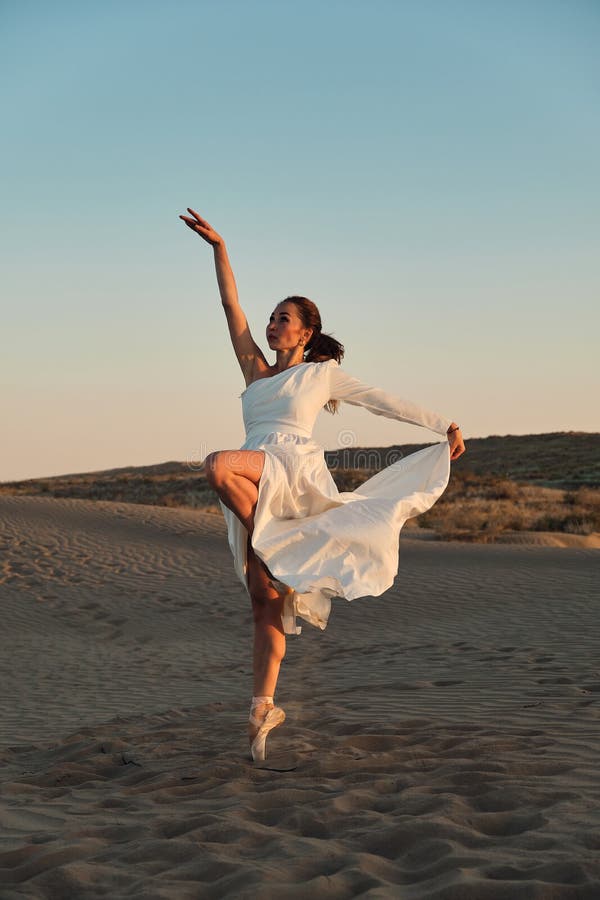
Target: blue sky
426, 172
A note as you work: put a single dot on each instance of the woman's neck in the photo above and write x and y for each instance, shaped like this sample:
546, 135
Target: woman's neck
286, 361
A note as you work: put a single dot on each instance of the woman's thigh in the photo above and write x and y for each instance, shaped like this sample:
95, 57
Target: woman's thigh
248, 463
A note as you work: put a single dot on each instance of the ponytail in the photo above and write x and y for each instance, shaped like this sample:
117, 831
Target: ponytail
323, 346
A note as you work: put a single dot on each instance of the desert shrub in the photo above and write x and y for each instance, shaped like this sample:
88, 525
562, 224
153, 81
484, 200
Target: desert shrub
587, 497
201, 499
518, 520
504, 490
468, 517
571, 524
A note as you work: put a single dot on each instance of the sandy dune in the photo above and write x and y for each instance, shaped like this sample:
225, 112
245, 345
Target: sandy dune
442, 741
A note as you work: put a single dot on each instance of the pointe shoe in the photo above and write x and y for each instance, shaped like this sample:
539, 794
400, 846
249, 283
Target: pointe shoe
274, 717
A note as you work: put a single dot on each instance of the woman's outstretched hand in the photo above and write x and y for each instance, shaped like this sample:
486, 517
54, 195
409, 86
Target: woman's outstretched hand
201, 227
457, 445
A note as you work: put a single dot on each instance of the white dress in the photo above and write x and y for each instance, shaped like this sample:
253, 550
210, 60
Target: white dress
320, 542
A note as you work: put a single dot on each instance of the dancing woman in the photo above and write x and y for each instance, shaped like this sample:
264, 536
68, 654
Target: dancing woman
296, 540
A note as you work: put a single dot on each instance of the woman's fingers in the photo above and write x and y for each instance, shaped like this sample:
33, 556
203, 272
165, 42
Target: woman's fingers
192, 222
199, 218
201, 227
196, 226
195, 221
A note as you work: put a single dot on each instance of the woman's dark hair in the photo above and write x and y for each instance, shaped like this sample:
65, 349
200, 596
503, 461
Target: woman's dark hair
320, 346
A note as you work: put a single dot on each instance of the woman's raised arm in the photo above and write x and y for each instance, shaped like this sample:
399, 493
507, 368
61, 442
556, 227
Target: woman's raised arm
246, 349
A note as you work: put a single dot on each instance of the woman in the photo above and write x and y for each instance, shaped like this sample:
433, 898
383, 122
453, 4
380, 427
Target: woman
296, 541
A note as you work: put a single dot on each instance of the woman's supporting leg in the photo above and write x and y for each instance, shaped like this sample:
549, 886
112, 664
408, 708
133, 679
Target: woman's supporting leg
269, 637
234, 475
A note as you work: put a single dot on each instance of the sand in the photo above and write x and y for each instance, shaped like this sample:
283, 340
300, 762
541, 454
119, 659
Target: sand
441, 742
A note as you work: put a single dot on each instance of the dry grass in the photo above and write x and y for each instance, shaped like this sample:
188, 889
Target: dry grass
480, 508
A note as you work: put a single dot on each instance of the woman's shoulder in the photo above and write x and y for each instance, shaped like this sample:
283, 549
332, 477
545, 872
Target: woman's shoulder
325, 367
319, 366
327, 362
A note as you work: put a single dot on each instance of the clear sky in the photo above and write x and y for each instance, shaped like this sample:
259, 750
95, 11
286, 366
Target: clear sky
426, 171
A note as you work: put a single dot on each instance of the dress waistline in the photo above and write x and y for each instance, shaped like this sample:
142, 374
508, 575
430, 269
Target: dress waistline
271, 436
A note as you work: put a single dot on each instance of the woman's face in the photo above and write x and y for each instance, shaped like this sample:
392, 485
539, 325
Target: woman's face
285, 329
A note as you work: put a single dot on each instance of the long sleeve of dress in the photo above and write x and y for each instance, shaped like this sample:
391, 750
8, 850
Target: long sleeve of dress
351, 390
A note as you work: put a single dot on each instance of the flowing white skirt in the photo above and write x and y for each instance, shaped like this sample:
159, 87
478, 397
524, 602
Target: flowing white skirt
324, 543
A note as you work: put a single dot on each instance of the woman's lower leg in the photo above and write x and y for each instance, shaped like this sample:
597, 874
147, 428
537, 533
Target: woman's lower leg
269, 637
269, 650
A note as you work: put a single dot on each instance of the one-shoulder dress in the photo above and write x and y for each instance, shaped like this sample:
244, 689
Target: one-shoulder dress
320, 542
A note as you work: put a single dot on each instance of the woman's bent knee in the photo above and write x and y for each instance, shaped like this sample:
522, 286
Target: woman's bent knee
213, 467
220, 465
